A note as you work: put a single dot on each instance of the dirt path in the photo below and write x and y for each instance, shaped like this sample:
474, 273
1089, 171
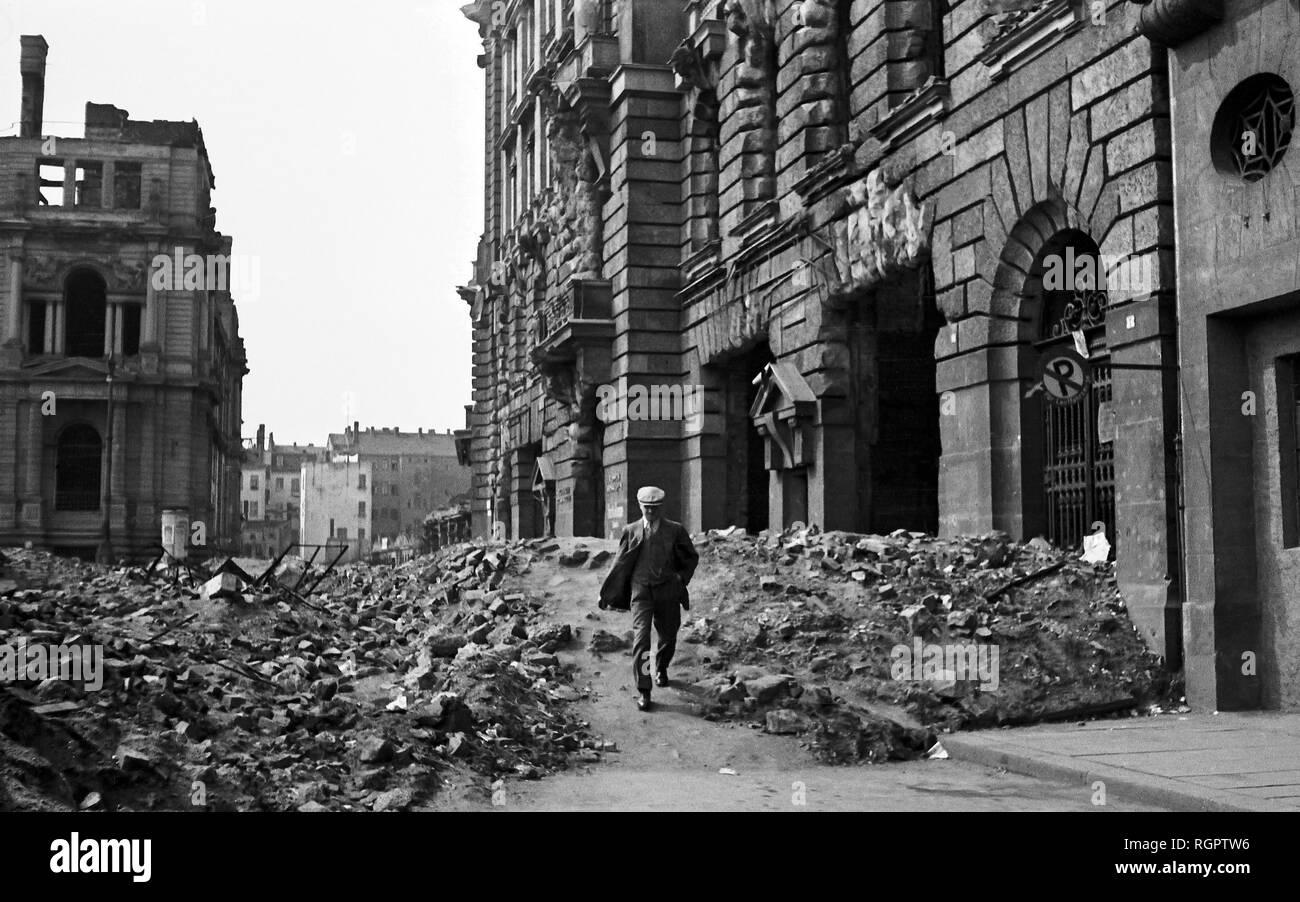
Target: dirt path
670, 758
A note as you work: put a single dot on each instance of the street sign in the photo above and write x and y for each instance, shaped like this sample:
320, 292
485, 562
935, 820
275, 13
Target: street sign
1064, 373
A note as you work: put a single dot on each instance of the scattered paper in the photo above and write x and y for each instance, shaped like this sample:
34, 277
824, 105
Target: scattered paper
1096, 549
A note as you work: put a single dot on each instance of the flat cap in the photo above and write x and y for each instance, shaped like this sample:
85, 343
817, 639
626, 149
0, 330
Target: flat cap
650, 494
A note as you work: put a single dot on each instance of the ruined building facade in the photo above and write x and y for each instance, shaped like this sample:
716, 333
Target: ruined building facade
119, 388
844, 223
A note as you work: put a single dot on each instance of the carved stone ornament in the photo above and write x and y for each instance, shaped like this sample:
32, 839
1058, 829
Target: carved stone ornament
574, 218
885, 231
127, 275
41, 272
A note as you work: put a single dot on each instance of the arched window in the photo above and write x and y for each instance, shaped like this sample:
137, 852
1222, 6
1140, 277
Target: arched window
77, 472
87, 304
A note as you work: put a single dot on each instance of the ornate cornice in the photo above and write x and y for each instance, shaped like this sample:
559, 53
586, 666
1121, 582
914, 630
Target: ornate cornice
919, 109
1030, 36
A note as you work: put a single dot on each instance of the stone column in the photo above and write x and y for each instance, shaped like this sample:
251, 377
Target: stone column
32, 464
147, 497
9, 450
118, 474
14, 320
148, 316
109, 328
109, 189
32, 467
47, 342
60, 326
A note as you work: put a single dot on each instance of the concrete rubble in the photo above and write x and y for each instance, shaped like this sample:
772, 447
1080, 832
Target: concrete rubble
804, 631
384, 686
389, 685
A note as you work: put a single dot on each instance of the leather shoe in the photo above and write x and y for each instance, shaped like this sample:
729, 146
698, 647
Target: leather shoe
643, 701
662, 678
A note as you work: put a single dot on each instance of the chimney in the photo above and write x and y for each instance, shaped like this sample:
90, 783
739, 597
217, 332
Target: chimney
261, 436
356, 428
31, 64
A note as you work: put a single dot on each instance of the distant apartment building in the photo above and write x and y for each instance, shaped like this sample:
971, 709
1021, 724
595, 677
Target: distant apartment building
336, 506
415, 473
120, 397
270, 492
283, 497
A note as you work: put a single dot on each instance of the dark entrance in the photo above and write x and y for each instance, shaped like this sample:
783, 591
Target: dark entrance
87, 307
747, 475
77, 471
1078, 460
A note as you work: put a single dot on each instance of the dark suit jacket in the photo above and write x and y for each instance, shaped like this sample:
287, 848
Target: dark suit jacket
616, 592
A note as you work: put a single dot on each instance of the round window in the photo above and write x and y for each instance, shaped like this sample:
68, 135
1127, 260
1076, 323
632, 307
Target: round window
1252, 129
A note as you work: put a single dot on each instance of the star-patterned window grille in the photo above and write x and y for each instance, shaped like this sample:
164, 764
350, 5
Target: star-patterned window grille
1264, 121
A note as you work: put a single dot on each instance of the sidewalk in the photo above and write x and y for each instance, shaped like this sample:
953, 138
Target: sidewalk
1186, 762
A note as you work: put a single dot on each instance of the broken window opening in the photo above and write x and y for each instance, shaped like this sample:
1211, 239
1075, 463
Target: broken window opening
130, 328
89, 184
49, 183
37, 322
126, 186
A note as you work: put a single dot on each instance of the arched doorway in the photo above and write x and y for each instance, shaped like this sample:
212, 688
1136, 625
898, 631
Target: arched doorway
77, 469
87, 304
1068, 280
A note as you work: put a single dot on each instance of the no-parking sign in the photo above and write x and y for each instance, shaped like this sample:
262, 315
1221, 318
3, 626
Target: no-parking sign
1064, 373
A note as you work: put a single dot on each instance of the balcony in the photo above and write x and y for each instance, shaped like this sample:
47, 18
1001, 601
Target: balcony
580, 315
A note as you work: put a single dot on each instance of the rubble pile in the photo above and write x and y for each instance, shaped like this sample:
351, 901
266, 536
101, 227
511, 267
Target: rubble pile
854, 621
382, 686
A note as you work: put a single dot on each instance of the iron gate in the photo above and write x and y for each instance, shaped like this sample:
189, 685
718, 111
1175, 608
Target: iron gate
1079, 470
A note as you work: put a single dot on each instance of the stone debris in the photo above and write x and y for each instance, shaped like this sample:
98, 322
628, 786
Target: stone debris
369, 694
801, 621
605, 641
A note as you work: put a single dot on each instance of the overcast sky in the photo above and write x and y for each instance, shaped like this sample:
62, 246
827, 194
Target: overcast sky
347, 142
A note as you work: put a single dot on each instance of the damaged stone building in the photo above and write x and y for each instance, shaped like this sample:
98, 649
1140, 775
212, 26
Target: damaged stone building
842, 226
119, 381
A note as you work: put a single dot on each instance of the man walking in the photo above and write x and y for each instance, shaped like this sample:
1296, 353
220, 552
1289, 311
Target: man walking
655, 563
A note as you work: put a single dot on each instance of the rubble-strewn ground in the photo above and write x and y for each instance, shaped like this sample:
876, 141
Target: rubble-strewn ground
384, 685
829, 609
403, 687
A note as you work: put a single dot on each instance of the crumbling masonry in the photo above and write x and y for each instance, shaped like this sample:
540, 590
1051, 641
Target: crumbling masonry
836, 217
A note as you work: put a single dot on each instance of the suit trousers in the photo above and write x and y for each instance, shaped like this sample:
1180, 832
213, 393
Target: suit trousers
661, 605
